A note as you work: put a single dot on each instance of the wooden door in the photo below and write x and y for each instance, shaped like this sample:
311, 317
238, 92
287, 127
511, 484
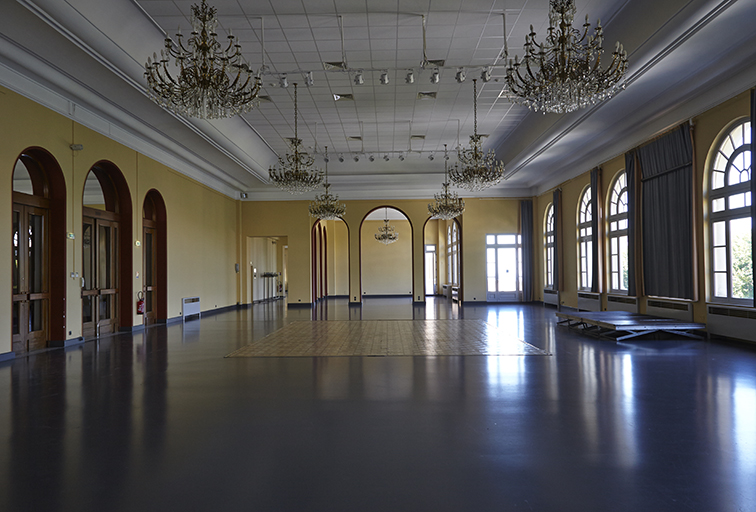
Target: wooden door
99, 288
150, 275
31, 280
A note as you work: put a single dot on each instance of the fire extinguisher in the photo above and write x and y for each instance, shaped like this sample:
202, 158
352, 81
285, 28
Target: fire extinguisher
140, 303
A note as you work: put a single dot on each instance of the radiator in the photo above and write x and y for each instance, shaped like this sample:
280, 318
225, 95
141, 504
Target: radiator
190, 306
668, 308
551, 297
588, 301
622, 303
731, 321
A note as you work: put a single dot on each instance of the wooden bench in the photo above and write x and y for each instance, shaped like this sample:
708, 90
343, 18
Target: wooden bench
622, 325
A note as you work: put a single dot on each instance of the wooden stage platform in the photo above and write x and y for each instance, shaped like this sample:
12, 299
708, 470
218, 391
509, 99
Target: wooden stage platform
622, 325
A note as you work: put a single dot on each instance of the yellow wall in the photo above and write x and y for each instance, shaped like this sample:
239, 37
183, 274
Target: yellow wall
386, 269
201, 223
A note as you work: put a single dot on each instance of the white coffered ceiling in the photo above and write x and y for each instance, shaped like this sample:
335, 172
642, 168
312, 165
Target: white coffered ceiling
85, 59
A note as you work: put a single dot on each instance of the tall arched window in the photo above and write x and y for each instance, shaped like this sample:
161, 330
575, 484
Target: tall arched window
617, 235
730, 207
452, 253
585, 240
548, 244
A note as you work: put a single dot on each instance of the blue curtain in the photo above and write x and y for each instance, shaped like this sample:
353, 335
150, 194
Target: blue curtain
666, 167
526, 230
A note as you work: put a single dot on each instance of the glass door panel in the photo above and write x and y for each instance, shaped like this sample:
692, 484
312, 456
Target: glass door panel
99, 264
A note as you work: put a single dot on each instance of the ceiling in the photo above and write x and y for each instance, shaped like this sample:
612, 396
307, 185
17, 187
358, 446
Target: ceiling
87, 63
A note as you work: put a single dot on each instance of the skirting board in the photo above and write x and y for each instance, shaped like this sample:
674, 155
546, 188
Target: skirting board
7, 356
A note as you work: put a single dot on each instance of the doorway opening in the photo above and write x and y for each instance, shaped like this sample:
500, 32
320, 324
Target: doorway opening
154, 259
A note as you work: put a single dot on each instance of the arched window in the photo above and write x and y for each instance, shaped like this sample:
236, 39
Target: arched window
452, 253
617, 235
730, 207
585, 241
548, 244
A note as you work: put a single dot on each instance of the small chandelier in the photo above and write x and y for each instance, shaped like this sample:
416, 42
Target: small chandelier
327, 206
564, 73
447, 205
212, 82
479, 170
294, 171
387, 234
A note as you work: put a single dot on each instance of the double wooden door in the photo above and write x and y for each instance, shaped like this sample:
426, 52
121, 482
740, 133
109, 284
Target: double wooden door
99, 286
31, 280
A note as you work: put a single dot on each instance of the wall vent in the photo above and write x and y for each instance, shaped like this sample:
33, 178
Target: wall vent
551, 297
622, 303
679, 310
588, 301
730, 321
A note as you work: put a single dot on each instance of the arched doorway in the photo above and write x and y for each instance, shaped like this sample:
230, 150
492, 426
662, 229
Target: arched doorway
154, 259
442, 264
319, 239
330, 259
106, 290
39, 224
386, 269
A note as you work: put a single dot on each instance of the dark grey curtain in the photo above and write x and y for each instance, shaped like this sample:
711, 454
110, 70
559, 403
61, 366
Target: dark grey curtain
666, 167
595, 202
526, 230
753, 193
632, 195
557, 201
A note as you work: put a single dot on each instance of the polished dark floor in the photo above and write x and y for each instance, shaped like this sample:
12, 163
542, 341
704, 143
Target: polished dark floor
160, 420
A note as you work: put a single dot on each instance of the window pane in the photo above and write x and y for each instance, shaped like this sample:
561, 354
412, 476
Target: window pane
720, 285
506, 239
717, 178
491, 284
720, 259
490, 255
490, 239
719, 233
623, 262
507, 269
741, 270
737, 201
718, 205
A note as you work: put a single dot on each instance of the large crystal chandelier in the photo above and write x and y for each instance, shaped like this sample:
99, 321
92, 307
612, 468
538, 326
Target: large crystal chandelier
447, 205
212, 81
477, 170
387, 234
327, 206
294, 172
564, 73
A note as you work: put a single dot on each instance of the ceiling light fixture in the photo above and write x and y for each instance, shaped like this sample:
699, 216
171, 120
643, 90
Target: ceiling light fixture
341, 158
386, 157
371, 158
359, 79
294, 172
447, 205
356, 158
564, 73
283, 81
485, 74
309, 82
435, 77
387, 234
479, 170
410, 78
384, 78
401, 157
431, 157
211, 81
326, 206
460, 76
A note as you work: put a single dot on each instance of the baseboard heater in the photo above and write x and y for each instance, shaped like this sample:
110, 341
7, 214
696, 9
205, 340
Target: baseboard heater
668, 308
551, 297
622, 303
190, 306
733, 322
589, 301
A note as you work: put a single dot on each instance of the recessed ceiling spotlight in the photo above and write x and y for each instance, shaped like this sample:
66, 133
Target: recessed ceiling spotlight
386, 157
359, 79
435, 77
283, 82
356, 158
410, 78
460, 76
341, 158
485, 75
371, 158
384, 78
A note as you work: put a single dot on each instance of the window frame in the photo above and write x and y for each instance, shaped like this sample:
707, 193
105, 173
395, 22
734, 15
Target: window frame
585, 240
614, 221
549, 234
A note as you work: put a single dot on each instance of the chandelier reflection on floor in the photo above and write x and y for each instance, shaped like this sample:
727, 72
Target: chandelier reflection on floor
477, 170
387, 234
326, 205
447, 205
212, 81
564, 73
294, 172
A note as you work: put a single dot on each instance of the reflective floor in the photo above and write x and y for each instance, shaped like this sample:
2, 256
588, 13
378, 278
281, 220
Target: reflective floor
160, 420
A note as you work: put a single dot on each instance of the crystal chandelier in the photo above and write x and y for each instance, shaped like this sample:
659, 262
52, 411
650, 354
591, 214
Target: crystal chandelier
294, 172
447, 205
212, 81
564, 73
479, 170
387, 234
327, 206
